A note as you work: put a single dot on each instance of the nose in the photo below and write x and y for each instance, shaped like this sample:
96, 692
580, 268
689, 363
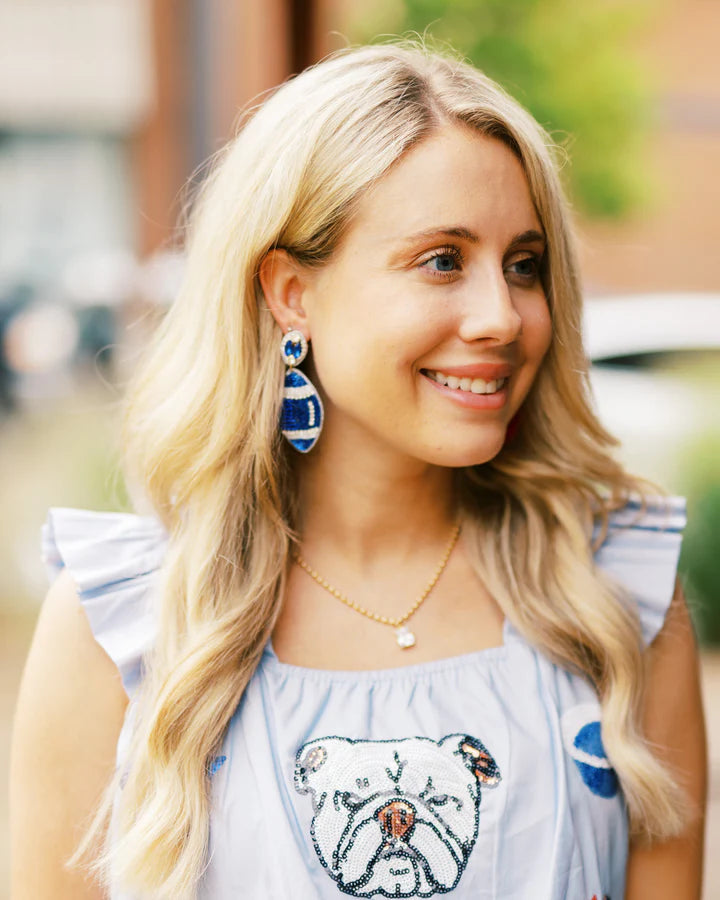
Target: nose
489, 312
396, 818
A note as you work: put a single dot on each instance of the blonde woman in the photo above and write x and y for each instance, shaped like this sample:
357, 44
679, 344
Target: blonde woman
395, 623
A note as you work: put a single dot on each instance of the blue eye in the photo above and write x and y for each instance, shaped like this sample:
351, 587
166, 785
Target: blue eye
527, 269
445, 261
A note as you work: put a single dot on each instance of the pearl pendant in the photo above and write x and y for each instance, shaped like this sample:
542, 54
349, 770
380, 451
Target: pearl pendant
404, 637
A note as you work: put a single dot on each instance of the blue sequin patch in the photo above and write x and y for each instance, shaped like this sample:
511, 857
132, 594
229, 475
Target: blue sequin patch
216, 764
601, 780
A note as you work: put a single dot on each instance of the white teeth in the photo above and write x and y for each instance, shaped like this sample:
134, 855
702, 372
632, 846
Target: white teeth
475, 385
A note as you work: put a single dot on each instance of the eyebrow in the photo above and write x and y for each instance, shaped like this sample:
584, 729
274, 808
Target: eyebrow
525, 237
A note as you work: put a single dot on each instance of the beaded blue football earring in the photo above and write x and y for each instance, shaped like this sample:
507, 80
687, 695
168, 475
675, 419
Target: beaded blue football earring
301, 419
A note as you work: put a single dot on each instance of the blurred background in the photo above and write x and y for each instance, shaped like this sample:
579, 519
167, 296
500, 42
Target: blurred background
109, 108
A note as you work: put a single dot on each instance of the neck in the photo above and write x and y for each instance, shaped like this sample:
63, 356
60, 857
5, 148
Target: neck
372, 507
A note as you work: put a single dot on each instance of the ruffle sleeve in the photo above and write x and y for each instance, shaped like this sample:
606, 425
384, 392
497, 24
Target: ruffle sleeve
641, 552
113, 559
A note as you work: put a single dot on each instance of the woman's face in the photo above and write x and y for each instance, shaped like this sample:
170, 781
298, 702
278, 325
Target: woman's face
433, 296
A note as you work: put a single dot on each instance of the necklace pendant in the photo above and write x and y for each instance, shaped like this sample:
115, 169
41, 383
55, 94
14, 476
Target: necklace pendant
404, 637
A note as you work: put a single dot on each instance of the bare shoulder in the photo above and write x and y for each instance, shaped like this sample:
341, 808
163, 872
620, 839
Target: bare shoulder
674, 723
70, 709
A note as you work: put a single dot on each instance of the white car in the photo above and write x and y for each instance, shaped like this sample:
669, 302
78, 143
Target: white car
646, 352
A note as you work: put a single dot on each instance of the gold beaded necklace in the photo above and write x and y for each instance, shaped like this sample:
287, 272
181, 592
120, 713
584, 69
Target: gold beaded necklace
405, 638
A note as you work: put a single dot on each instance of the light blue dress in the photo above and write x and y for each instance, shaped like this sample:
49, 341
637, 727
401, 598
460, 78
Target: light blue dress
481, 776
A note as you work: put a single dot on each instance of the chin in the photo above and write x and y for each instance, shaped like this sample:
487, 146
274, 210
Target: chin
461, 456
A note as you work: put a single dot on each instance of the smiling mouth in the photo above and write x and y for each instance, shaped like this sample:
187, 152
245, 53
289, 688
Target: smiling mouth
468, 385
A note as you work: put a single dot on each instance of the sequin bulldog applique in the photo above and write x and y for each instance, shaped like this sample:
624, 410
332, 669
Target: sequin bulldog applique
395, 818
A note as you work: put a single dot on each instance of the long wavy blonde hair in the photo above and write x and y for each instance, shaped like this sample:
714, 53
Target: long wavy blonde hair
203, 448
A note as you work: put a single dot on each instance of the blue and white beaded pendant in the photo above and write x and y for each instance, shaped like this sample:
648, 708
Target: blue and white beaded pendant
301, 418
294, 347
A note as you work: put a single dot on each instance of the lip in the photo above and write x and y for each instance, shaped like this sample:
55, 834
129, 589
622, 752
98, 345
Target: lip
467, 399
486, 371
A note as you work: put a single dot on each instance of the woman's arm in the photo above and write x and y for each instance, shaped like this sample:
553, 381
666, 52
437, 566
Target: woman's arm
69, 714
674, 722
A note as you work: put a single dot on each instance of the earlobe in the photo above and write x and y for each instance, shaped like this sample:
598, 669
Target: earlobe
283, 286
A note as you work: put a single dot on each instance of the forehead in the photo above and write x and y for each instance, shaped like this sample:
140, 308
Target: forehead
455, 177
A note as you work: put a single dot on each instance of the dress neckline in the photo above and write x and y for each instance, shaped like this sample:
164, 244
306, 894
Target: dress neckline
393, 673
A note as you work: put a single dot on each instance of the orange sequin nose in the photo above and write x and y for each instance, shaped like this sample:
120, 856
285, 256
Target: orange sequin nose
396, 819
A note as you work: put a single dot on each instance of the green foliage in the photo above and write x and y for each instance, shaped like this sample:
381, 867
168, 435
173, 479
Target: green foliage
569, 63
700, 557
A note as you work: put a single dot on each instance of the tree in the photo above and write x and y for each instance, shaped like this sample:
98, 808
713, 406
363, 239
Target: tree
570, 64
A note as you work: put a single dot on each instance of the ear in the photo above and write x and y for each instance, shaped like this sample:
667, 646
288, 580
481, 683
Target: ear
479, 761
309, 760
283, 282
313, 759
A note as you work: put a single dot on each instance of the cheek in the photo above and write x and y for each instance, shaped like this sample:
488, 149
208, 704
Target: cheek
366, 353
354, 370
537, 330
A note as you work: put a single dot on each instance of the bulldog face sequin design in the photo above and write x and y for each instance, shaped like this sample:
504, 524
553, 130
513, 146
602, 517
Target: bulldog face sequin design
395, 818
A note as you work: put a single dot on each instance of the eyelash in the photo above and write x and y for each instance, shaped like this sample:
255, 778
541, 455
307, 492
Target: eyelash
532, 278
456, 254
